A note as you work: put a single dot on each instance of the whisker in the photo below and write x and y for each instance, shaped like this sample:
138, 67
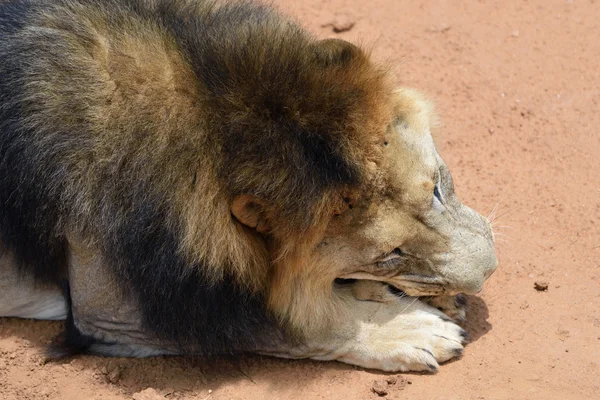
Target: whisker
504, 213
493, 212
411, 303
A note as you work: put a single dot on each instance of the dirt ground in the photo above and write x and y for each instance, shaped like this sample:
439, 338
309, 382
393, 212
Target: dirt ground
517, 85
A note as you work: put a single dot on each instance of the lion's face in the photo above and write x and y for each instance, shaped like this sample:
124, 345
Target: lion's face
408, 228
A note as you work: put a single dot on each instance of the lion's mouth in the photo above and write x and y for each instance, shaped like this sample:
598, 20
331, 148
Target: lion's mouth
411, 285
414, 285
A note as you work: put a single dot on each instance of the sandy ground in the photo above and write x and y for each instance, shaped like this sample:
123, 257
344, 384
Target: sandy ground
518, 88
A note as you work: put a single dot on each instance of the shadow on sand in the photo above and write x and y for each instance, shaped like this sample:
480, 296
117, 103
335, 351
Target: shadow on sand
477, 323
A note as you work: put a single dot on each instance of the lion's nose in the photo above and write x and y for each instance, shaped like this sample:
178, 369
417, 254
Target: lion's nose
473, 283
490, 271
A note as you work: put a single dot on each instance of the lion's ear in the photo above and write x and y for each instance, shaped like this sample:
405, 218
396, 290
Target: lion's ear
252, 212
335, 52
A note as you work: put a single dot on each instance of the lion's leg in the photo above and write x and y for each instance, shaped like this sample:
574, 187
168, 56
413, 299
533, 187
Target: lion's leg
102, 316
21, 297
377, 329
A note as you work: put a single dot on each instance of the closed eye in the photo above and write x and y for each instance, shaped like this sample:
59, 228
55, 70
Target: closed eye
395, 255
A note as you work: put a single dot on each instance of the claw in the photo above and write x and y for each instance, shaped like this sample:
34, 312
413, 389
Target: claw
465, 335
460, 300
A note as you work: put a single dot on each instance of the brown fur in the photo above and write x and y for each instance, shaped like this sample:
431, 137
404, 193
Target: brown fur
148, 117
129, 114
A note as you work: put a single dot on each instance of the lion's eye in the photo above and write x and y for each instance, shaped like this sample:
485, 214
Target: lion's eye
436, 193
398, 251
438, 200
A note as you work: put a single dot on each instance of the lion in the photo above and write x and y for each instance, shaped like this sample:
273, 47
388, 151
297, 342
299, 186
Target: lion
190, 177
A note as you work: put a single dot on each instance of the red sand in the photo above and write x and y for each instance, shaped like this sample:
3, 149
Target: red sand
518, 88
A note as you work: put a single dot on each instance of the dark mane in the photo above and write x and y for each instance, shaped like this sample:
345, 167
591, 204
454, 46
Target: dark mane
279, 118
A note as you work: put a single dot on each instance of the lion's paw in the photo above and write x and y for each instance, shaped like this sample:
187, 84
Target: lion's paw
394, 333
454, 307
411, 342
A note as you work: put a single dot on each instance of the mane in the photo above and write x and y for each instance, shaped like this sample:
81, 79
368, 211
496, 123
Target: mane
138, 139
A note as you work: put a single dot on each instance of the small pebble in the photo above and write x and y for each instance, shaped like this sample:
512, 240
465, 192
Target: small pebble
380, 388
341, 23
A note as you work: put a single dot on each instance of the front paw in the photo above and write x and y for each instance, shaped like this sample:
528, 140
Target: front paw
454, 307
416, 340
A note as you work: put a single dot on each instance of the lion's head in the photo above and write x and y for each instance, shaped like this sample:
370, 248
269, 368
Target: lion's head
408, 227
395, 218
404, 225
337, 176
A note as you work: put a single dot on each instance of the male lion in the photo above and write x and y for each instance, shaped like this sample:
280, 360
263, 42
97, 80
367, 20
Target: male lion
183, 177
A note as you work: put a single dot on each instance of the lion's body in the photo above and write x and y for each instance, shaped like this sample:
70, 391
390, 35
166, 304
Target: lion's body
128, 128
